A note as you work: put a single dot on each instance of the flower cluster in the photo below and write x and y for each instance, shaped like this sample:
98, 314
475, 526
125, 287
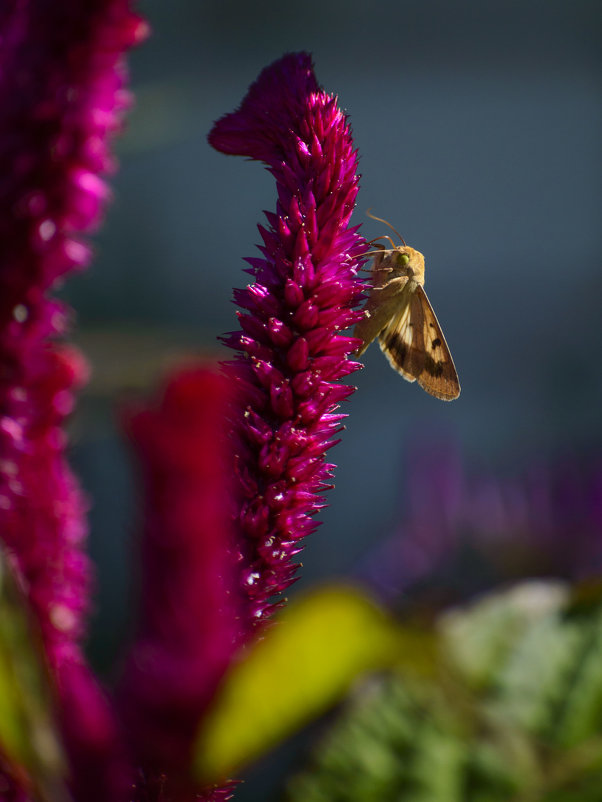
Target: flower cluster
291, 351
207, 582
463, 534
214, 555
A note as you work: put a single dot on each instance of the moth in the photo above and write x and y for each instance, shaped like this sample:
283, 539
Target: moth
399, 313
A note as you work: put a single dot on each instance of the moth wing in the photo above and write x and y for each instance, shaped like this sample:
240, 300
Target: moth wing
416, 348
398, 344
382, 305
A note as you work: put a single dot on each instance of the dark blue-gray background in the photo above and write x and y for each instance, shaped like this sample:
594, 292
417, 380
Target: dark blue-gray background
478, 126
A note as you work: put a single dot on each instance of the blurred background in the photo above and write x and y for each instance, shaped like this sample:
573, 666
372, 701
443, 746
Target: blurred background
478, 127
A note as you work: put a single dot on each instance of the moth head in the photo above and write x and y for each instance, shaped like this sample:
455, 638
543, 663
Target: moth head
410, 263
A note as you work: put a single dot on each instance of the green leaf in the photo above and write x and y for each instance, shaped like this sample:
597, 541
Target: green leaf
28, 735
480, 637
302, 666
580, 714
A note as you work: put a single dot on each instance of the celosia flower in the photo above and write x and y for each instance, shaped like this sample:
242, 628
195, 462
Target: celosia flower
190, 611
291, 350
61, 97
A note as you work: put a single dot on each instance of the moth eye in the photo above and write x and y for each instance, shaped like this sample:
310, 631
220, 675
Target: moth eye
404, 259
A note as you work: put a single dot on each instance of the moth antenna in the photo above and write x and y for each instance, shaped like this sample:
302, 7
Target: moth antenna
383, 236
373, 253
386, 222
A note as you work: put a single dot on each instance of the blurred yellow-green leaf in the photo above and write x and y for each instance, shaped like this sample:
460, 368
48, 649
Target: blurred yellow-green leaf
28, 736
306, 662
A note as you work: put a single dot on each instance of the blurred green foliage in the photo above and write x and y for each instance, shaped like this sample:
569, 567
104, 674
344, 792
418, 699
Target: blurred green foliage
508, 708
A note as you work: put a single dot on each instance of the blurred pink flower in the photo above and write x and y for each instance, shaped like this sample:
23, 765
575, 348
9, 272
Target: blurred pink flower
290, 348
61, 98
190, 615
463, 533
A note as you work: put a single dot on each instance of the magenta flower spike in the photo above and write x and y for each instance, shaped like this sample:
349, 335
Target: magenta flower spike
61, 98
291, 351
191, 602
